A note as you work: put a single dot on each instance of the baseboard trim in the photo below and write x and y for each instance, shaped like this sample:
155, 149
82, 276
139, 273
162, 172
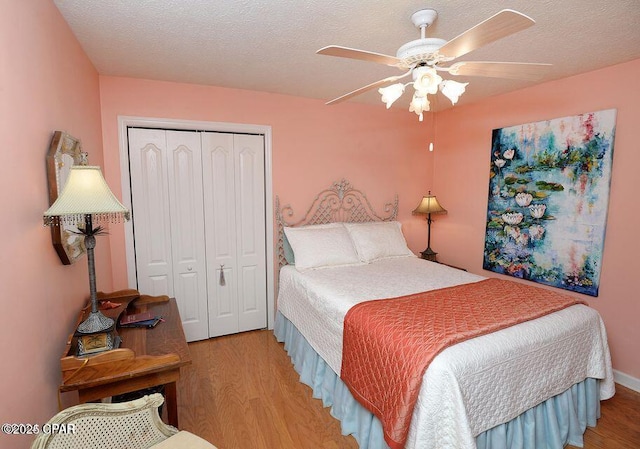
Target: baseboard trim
626, 380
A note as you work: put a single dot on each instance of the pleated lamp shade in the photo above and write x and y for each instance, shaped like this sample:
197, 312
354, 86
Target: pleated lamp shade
85, 193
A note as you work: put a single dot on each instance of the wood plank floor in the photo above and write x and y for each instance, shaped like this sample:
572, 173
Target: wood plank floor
241, 392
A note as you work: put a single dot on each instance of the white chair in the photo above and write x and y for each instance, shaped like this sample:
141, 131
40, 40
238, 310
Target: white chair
128, 425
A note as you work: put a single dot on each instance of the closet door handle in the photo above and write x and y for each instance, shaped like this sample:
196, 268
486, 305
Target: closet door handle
189, 268
222, 280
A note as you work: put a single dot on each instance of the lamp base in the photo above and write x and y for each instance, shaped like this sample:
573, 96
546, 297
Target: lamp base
100, 341
429, 254
95, 322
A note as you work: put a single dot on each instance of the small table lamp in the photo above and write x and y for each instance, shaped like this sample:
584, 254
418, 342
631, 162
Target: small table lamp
429, 205
86, 198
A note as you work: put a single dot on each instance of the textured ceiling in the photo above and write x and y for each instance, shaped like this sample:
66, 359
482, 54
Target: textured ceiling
270, 45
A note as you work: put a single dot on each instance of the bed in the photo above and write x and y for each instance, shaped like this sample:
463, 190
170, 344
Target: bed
537, 384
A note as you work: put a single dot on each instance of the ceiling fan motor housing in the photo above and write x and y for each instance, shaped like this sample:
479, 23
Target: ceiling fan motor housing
420, 50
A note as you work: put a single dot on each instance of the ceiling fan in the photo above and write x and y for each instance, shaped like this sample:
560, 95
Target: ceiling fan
425, 57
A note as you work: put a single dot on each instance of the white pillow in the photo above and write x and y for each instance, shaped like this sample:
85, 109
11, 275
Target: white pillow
378, 240
321, 246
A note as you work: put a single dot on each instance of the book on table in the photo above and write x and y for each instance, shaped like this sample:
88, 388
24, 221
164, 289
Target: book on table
150, 323
136, 318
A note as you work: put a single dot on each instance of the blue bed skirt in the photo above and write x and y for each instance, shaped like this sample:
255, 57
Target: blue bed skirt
559, 421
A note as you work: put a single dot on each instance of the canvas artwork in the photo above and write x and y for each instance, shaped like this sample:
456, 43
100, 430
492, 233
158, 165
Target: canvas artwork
548, 198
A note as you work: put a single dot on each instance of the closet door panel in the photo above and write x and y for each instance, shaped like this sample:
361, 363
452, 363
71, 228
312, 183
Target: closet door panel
221, 207
225, 306
250, 281
150, 202
220, 233
250, 226
187, 231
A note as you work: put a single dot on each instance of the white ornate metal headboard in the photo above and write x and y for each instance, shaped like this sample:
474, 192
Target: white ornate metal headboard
338, 203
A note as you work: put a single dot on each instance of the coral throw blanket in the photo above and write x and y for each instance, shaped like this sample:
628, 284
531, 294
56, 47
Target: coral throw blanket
388, 344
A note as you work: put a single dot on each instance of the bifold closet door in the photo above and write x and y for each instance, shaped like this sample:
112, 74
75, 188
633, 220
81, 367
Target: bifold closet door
168, 221
233, 179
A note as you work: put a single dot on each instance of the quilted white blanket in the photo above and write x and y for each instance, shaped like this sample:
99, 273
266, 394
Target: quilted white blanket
472, 386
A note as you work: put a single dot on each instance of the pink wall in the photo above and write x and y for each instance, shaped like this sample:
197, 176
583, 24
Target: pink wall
46, 84
463, 153
380, 152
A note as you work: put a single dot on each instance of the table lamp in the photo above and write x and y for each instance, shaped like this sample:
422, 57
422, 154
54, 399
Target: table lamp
85, 200
429, 205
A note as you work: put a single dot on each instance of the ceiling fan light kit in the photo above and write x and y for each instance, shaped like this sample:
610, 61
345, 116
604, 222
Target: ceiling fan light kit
419, 104
425, 57
452, 89
391, 93
426, 80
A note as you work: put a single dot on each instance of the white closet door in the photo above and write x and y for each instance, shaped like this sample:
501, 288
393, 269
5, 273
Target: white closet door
233, 178
166, 187
187, 231
150, 204
199, 224
250, 232
220, 233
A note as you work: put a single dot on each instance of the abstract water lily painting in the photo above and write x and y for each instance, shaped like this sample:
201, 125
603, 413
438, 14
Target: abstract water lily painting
548, 198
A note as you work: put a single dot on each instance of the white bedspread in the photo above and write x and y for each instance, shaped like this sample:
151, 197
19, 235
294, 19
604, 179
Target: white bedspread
474, 385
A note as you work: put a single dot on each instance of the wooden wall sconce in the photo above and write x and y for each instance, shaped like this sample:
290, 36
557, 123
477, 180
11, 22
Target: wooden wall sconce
64, 152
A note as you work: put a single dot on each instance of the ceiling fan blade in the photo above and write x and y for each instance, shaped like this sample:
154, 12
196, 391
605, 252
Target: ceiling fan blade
516, 70
496, 27
366, 88
352, 53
